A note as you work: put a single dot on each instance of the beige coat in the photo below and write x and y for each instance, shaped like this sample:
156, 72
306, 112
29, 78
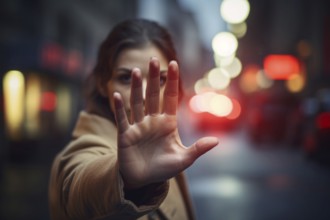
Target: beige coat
85, 182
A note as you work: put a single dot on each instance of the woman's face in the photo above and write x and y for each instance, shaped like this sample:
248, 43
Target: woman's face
128, 59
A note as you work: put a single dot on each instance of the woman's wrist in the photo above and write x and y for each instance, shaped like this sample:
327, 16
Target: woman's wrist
144, 195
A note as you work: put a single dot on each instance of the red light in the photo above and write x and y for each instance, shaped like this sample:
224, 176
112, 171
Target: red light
281, 67
236, 110
48, 101
51, 55
72, 62
323, 120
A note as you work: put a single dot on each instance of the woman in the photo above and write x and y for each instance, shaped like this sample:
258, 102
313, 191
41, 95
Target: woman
126, 158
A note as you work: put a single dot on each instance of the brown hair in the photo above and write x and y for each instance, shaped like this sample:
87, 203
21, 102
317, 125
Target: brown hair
132, 33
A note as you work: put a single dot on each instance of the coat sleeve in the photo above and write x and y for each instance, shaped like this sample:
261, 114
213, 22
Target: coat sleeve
88, 184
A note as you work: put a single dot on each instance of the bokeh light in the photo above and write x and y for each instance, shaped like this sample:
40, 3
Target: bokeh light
248, 81
14, 93
263, 80
234, 68
281, 66
239, 30
218, 78
213, 103
295, 83
224, 44
236, 111
48, 101
221, 61
64, 106
235, 11
33, 97
201, 86
220, 105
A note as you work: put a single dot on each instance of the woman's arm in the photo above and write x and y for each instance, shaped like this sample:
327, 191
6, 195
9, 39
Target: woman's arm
88, 184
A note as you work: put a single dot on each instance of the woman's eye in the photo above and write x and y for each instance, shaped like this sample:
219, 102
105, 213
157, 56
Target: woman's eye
125, 78
162, 80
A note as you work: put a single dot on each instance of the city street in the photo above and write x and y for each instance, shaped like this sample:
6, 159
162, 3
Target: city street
254, 73
239, 181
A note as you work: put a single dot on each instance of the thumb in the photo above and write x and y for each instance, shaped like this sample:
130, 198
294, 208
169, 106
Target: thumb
200, 147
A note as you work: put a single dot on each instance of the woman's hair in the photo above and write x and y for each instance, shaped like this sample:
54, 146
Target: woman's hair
132, 33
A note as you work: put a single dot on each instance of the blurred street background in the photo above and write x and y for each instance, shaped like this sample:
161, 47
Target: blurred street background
256, 74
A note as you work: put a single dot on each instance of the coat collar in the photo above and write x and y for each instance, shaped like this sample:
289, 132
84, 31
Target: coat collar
91, 124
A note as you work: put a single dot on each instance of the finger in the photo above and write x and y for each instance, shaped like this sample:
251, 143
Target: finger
199, 148
171, 92
136, 99
153, 88
120, 114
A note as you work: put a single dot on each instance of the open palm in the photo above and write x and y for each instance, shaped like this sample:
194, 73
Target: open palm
149, 148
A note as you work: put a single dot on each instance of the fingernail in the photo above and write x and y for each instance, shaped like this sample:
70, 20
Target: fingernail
117, 100
136, 69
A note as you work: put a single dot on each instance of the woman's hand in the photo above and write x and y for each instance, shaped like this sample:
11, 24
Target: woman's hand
149, 148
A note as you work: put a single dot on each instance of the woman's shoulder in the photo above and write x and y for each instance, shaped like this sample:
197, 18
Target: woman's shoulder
92, 134
89, 123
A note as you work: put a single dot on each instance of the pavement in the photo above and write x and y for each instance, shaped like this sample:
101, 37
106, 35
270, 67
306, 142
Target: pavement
238, 180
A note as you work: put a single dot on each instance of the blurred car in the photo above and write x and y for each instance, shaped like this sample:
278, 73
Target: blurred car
271, 117
316, 136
